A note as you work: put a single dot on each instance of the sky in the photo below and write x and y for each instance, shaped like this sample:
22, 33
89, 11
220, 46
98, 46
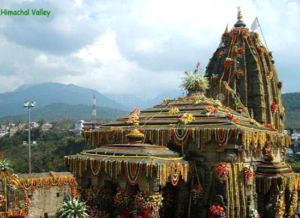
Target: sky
139, 47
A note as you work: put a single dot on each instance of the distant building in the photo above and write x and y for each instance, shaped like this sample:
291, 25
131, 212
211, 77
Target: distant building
81, 125
3, 132
22, 126
11, 124
3, 127
46, 126
12, 131
34, 125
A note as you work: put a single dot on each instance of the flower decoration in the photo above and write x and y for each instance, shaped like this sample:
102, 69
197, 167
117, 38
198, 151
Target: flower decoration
270, 126
195, 81
253, 213
133, 117
186, 118
239, 52
27, 201
2, 200
122, 198
262, 50
270, 54
241, 111
273, 107
280, 84
234, 32
217, 211
270, 75
147, 205
239, 74
228, 62
220, 54
211, 110
230, 116
174, 111
248, 175
245, 33
221, 172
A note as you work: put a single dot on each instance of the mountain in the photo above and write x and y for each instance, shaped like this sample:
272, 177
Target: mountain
11, 103
291, 103
65, 111
132, 101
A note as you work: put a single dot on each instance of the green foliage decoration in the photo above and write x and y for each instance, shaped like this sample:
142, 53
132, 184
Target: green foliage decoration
73, 208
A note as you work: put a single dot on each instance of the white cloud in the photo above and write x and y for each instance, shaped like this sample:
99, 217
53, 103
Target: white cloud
135, 46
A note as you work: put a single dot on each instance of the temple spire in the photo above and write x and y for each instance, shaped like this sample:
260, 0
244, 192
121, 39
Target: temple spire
239, 23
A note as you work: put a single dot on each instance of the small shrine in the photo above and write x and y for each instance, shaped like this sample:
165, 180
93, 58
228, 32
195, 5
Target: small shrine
217, 152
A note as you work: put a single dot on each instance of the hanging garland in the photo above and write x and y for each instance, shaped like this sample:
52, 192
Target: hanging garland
175, 170
95, 167
168, 171
133, 172
31, 184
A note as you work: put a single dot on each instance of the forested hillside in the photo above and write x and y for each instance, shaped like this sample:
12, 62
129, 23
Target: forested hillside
291, 102
47, 155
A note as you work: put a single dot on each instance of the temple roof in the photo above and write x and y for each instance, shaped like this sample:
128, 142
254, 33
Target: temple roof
205, 112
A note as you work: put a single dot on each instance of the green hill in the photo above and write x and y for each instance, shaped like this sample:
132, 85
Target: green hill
57, 111
11, 103
291, 102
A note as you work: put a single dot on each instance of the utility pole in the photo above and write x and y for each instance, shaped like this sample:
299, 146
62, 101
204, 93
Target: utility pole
29, 105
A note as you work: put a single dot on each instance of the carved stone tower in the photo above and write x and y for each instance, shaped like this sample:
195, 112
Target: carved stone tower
246, 65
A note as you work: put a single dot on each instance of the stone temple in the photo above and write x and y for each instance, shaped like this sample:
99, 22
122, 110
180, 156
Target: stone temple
217, 152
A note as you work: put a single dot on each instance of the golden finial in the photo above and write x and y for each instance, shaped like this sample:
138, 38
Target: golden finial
239, 14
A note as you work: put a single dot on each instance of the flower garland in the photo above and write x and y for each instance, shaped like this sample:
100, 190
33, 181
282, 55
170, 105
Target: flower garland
31, 184
248, 175
221, 172
95, 167
133, 172
217, 212
175, 170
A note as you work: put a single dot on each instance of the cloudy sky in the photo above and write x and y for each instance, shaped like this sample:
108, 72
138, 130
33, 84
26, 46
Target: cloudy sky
135, 47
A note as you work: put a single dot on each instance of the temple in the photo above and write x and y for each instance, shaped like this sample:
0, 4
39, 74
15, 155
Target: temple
217, 152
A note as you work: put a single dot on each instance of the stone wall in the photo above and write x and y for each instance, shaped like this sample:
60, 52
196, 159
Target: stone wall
46, 200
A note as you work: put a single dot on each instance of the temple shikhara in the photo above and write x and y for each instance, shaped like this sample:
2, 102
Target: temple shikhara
217, 152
